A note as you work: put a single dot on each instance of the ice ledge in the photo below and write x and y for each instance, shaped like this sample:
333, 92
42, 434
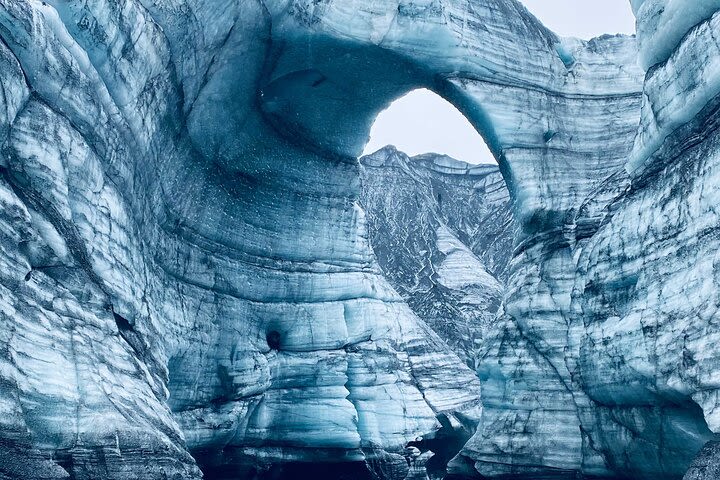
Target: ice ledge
661, 25
677, 91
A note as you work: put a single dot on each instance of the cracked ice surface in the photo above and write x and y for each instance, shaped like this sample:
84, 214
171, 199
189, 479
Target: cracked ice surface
442, 231
187, 275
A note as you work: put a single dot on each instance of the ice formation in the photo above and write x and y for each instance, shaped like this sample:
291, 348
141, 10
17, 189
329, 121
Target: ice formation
442, 232
188, 284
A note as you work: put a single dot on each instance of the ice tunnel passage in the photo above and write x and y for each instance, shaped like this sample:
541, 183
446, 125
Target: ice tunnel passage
205, 177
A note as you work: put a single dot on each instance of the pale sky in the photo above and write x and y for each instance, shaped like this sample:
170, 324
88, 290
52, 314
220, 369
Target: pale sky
583, 18
422, 122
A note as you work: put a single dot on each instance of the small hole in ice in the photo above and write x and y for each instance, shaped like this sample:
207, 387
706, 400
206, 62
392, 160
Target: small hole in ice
273, 340
123, 324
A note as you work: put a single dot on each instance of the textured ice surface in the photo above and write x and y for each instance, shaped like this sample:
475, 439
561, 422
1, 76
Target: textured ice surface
442, 232
186, 273
661, 25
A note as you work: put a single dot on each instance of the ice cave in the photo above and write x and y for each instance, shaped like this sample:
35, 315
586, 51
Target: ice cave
202, 276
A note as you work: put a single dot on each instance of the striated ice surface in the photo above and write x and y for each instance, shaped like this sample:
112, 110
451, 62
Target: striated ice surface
442, 232
677, 91
198, 278
661, 25
178, 277
616, 331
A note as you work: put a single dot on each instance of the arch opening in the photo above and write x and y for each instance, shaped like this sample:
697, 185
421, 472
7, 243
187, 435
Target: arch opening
423, 122
432, 184
441, 226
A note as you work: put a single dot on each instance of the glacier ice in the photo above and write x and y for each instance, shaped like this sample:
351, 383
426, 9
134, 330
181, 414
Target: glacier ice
442, 231
662, 24
192, 280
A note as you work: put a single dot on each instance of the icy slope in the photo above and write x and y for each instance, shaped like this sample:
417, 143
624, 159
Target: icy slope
442, 232
636, 291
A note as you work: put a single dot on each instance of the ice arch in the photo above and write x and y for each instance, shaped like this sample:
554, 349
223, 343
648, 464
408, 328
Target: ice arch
199, 160
539, 101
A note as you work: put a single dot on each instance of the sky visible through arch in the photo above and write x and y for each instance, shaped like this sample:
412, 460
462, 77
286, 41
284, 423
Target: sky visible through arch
422, 122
